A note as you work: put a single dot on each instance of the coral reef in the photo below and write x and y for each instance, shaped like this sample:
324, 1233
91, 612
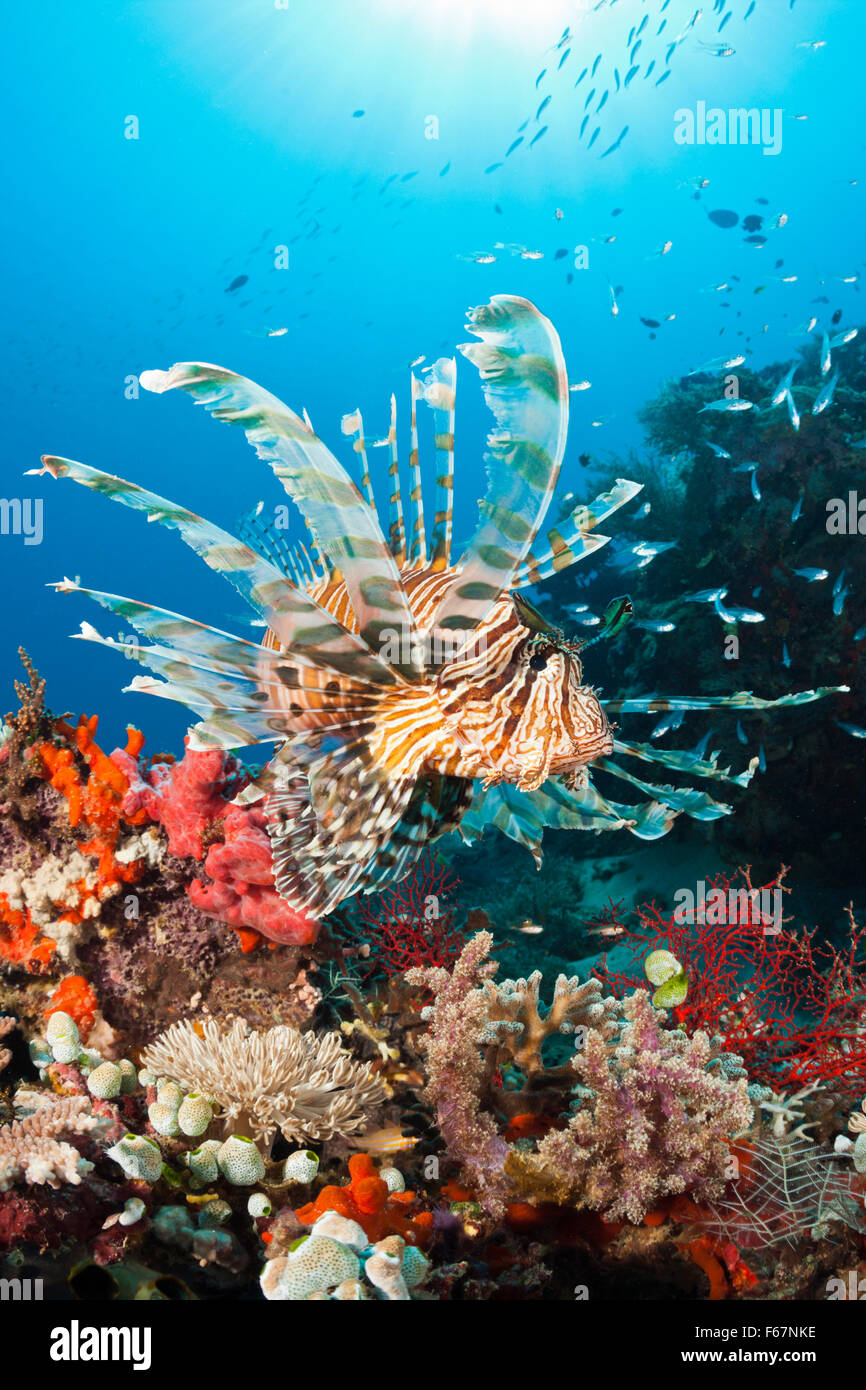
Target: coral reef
789, 1003
306, 1085
653, 1108
192, 800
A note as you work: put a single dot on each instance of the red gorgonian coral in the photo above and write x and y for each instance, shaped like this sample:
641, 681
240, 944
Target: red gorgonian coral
789, 1005
413, 923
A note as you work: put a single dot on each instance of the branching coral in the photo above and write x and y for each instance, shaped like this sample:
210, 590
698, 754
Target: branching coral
33, 1149
414, 923
790, 1005
7, 1023
654, 1108
20, 730
305, 1084
653, 1120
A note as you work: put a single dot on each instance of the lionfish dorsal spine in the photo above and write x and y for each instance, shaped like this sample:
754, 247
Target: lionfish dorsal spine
440, 394
344, 526
353, 423
396, 524
418, 542
525, 386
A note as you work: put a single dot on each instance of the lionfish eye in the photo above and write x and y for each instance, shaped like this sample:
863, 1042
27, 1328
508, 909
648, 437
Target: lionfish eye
538, 661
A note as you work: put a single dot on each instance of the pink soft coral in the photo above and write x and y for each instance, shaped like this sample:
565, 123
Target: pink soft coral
189, 799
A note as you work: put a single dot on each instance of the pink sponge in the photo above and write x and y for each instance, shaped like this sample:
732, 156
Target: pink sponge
187, 798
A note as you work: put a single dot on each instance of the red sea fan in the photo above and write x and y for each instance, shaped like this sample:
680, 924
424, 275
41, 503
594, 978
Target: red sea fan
413, 923
789, 1005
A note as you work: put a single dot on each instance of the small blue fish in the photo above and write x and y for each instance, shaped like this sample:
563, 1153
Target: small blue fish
784, 386
812, 574
756, 491
717, 449
793, 414
672, 720
842, 338
617, 142
853, 729
654, 625
741, 733
825, 354
840, 580
595, 64
786, 655
798, 509
734, 403
839, 601
701, 747
704, 596
737, 615
762, 761
860, 633
825, 395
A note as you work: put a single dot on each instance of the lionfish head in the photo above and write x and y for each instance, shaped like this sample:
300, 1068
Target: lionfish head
519, 698
576, 730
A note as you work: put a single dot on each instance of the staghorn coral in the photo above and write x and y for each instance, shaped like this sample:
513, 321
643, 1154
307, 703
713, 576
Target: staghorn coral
304, 1084
653, 1107
34, 1149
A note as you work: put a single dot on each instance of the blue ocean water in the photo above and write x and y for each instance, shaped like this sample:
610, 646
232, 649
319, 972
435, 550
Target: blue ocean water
158, 150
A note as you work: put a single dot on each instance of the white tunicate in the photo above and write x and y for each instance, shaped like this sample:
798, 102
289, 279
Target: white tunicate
301, 1166
393, 1179
194, 1115
163, 1118
240, 1162
59, 1025
259, 1205
105, 1081
138, 1156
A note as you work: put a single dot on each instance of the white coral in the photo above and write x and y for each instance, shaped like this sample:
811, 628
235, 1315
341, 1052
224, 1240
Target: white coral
31, 1149
304, 1083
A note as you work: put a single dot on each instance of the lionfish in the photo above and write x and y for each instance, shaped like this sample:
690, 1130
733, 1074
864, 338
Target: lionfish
409, 694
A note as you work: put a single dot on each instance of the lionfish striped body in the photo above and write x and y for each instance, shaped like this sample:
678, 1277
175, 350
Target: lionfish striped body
408, 694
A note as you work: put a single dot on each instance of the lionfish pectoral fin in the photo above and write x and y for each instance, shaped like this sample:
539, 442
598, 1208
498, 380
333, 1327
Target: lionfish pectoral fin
327, 827
297, 621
